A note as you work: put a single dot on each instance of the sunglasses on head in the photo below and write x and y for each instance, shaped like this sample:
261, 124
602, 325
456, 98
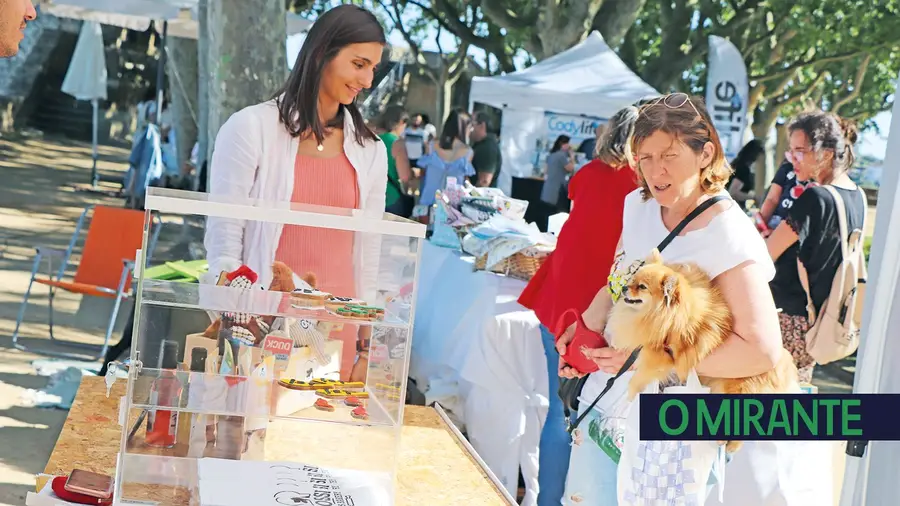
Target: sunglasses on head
673, 101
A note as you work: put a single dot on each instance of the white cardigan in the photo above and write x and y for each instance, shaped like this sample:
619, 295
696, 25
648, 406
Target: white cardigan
254, 158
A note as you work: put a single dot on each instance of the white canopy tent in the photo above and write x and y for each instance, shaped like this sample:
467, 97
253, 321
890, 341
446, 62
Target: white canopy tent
872, 479
588, 79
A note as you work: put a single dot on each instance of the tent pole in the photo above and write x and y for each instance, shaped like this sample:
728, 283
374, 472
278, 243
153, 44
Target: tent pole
161, 73
95, 106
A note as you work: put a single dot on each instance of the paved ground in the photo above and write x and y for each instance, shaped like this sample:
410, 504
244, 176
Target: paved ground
38, 206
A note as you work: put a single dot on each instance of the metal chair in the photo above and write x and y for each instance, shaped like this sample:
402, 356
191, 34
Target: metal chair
104, 270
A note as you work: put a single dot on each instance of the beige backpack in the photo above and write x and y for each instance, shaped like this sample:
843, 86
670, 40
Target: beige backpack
834, 333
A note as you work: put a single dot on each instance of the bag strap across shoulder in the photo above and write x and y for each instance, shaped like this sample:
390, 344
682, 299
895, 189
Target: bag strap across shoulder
706, 204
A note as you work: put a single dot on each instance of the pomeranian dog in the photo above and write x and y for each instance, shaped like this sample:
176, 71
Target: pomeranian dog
678, 318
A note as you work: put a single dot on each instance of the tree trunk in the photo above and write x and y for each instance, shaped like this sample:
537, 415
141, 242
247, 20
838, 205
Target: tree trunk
203, 83
246, 66
763, 122
181, 66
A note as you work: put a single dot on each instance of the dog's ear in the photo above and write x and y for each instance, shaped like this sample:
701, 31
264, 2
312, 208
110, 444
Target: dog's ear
655, 257
670, 289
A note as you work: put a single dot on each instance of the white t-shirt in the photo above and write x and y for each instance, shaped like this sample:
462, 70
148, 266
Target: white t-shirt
727, 241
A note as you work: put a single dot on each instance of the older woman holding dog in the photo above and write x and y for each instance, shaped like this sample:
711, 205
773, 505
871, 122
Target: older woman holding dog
682, 174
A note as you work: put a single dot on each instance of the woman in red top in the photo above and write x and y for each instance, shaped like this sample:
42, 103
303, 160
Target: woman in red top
573, 274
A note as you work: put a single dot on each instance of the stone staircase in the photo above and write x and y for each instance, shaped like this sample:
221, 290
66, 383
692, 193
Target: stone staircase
19, 73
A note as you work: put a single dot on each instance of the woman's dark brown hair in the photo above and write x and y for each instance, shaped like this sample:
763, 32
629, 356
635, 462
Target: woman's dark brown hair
558, 143
456, 127
298, 99
689, 123
826, 130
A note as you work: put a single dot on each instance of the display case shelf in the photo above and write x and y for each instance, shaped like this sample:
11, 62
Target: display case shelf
252, 301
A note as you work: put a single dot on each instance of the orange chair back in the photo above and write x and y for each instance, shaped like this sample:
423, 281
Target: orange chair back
113, 236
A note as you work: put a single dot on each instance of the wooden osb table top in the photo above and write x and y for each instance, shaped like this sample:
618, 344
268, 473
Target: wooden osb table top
433, 467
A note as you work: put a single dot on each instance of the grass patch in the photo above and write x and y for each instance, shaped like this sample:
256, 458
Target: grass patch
867, 247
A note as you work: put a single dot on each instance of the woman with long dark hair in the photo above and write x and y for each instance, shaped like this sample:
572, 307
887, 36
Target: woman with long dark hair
450, 156
308, 145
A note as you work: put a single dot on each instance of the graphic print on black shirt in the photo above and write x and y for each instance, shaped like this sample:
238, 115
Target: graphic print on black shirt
813, 218
791, 190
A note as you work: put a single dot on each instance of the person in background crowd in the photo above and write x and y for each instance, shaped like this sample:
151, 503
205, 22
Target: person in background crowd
785, 189
589, 146
389, 127
574, 273
680, 164
14, 16
449, 157
821, 150
486, 158
414, 137
418, 134
560, 161
309, 145
740, 186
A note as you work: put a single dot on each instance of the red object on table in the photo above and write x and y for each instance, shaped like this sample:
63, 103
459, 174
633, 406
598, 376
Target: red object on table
583, 337
59, 488
586, 246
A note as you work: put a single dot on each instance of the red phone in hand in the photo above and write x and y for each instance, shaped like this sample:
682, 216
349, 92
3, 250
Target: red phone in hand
584, 337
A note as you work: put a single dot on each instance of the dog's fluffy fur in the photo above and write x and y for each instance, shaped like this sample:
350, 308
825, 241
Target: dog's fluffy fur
679, 317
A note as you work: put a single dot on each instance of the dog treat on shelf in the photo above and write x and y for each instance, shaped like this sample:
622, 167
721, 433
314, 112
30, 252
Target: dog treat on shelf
309, 297
337, 393
334, 302
353, 401
323, 405
360, 413
319, 384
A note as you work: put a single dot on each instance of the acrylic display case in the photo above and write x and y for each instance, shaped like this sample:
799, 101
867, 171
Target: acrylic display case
235, 394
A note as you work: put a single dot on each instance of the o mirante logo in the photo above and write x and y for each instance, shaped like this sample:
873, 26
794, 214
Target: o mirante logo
801, 417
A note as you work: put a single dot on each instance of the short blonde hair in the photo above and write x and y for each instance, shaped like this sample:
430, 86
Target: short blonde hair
690, 124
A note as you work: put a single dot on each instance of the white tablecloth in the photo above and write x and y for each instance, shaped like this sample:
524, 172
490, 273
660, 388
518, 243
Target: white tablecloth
478, 353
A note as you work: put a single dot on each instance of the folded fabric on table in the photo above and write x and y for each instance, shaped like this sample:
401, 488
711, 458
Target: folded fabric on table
501, 237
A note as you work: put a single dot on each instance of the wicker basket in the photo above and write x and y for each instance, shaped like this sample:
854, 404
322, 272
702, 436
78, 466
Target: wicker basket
519, 265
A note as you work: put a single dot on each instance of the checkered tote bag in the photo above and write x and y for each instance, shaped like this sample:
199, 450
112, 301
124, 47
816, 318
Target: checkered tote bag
666, 473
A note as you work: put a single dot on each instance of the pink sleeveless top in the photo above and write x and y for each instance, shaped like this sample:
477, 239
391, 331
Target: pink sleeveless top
326, 253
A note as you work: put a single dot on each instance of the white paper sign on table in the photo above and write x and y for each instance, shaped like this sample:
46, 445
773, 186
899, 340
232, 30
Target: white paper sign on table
241, 482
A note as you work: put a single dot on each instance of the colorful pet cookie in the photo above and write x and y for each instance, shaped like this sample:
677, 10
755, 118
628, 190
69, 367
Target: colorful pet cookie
323, 405
309, 297
295, 384
360, 413
334, 302
353, 401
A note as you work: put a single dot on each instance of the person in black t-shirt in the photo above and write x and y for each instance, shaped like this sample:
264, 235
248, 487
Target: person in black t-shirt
785, 189
821, 150
741, 184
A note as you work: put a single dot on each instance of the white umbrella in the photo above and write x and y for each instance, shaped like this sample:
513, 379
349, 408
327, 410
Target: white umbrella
86, 77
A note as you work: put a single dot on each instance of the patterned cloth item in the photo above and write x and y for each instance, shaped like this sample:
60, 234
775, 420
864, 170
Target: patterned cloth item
667, 473
501, 237
305, 333
793, 335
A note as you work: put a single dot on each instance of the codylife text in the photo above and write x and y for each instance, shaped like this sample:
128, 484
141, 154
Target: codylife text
872, 417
